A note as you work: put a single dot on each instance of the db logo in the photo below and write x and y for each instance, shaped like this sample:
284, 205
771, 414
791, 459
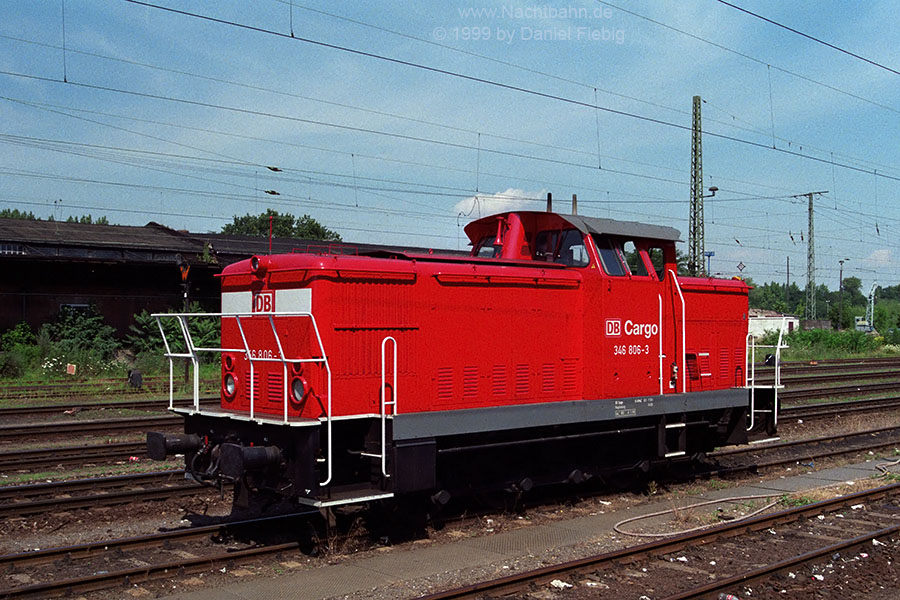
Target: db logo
613, 327
264, 301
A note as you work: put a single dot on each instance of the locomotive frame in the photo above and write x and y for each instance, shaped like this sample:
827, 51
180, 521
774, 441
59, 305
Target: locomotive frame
432, 422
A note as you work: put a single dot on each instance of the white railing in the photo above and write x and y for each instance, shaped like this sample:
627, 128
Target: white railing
750, 372
192, 353
661, 355
683, 369
385, 403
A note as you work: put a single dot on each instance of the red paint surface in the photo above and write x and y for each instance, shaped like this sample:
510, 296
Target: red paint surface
485, 332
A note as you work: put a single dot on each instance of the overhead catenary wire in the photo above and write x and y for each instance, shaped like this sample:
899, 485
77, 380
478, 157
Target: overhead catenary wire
474, 79
811, 37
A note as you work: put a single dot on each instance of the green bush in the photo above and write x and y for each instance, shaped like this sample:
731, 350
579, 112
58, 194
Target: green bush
79, 337
18, 360
77, 329
10, 365
20, 334
822, 343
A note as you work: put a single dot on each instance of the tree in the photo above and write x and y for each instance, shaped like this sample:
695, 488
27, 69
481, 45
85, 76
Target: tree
768, 297
681, 260
283, 225
13, 213
853, 291
88, 220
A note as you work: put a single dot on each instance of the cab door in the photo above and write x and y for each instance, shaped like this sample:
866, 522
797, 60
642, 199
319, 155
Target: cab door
634, 341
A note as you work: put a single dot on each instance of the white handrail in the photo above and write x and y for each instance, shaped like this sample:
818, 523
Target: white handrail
385, 402
750, 359
182, 318
661, 375
750, 355
683, 338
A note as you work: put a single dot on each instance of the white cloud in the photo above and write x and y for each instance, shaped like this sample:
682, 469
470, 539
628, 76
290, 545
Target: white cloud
509, 200
881, 258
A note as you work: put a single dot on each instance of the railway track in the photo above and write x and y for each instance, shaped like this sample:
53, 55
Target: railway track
103, 387
52, 497
752, 459
159, 404
822, 379
105, 491
29, 460
40, 498
860, 389
828, 409
161, 554
769, 544
74, 428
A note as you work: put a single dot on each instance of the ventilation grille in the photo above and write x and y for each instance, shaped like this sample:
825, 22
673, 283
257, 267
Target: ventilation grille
445, 383
724, 364
257, 391
570, 377
498, 381
470, 383
275, 388
522, 387
548, 378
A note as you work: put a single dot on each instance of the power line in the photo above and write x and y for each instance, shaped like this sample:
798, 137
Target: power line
810, 37
471, 78
375, 157
753, 58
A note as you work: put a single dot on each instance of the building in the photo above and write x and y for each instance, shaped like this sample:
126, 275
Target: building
763, 321
123, 270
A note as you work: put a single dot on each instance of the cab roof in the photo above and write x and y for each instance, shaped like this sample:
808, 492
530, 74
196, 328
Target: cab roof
631, 229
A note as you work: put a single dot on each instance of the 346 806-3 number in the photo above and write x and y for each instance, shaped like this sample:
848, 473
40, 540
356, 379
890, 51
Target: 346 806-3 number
630, 349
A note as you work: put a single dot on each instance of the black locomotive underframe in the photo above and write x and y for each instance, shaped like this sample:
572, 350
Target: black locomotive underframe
498, 447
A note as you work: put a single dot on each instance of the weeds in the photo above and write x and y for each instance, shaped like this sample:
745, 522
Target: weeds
793, 500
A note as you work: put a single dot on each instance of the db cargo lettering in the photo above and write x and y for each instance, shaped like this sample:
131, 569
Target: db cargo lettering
646, 330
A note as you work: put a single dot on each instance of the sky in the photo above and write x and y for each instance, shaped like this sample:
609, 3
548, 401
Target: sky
400, 122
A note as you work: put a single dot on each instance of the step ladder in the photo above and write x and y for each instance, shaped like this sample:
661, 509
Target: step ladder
388, 406
769, 408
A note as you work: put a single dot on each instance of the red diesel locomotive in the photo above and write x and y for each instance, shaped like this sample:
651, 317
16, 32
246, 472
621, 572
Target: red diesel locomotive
564, 347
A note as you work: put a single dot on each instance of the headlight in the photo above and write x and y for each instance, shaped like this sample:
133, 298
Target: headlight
229, 385
298, 389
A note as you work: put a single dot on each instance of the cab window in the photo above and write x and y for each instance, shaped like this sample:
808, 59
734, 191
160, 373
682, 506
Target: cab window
565, 247
486, 248
658, 260
545, 245
572, 251
610, 256
634, 260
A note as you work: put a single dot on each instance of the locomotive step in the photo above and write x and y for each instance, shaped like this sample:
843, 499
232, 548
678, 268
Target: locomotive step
340, 495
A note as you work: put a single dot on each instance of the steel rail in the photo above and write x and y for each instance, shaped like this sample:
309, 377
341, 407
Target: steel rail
160, 404
103, 580
771, 569
69, 486
796, 380
517, 582
68, 455
33, 430
847, 390
32, 507
809, 411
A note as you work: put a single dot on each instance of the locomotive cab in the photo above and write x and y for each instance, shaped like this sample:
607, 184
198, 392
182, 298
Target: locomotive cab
563, 347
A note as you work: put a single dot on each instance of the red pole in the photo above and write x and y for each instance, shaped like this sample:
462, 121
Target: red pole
270, 233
